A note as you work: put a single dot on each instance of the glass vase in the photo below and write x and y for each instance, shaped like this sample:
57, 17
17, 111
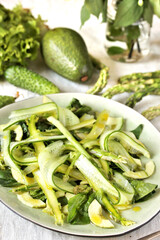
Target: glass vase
126, 44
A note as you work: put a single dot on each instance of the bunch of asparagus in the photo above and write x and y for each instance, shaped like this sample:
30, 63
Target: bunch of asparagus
140, 84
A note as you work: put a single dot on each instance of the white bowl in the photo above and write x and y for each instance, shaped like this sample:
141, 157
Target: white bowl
150, 137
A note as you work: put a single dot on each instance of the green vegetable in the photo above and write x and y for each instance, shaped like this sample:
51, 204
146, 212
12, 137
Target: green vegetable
151, 112
51, 158
101, 82
137, 131
143, 189
149, 170
121, 88
24, 78
40, 178
19, 36
38, 110
72, 60
137, 96
77, 108
5, 100
56, 171
102, 198
138, 76
78, 212
7, 180
141, 84
131, 144
51, 197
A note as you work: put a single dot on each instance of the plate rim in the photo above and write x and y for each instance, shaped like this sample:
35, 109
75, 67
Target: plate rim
74, 234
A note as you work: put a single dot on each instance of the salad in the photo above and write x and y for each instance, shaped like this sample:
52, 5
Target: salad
76, 164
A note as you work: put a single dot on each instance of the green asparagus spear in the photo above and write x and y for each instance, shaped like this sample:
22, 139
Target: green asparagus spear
131, 86
5, 100
121, 88
24, 78
101, 82
137, 76
137, 96
152, 112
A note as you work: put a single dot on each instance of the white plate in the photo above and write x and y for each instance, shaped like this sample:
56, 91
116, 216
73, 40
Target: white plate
150, 137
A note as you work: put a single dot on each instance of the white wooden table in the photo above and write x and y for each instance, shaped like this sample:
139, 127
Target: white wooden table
67, 14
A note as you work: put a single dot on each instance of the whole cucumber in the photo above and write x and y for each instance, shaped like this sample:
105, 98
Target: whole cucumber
5, 100
27, 79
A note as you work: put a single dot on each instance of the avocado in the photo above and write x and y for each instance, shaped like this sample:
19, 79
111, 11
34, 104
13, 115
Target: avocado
65, 52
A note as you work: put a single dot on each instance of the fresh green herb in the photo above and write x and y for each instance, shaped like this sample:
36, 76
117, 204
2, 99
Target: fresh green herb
77, 108
137, 131
44, 125
38, 194
78, 209
6, 179
19, 36
143, 189
24, 129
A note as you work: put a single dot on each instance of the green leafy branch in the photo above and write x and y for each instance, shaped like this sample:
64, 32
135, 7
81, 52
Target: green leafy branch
128, 12
122, 27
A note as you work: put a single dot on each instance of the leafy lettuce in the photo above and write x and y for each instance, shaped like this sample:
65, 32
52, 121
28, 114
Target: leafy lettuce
19, 36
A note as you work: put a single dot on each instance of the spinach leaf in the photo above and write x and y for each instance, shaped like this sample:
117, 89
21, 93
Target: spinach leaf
25, 129
143, 190
44, 125
37, 194
77, 108
78, 208
6, 179
74, 205
137, 131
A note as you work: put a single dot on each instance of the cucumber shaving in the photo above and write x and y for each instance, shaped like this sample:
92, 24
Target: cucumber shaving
69, 161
